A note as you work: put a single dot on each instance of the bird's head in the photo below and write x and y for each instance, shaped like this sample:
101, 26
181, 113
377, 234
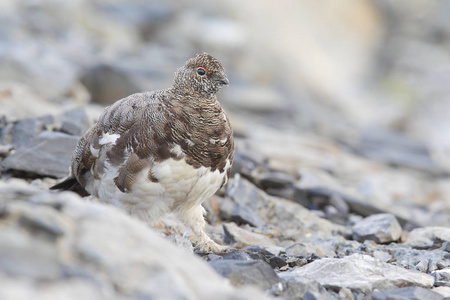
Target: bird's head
202, 75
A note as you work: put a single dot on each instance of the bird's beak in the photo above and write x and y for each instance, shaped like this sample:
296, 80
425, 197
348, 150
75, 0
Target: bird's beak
223, 80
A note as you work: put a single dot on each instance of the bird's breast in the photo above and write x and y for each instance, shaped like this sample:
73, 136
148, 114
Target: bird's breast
207, 141
182, 181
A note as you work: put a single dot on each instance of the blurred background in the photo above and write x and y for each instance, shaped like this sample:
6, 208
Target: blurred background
349, 94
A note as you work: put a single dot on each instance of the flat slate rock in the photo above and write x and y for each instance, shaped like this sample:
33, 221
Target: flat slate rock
360, 273
22, 132
75, 122
407, 293
301, 288
252, 272
237, 255
381, 228
240, 237
397, 150
107, 83
307, 249
49, 154
305, 197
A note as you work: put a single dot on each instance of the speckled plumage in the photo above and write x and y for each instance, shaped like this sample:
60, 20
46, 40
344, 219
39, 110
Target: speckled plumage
159, 152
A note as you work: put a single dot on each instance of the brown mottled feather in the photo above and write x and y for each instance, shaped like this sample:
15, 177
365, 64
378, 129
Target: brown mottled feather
152, 123
127, 174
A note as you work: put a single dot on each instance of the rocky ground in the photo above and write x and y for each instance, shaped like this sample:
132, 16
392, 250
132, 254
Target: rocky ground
322, 204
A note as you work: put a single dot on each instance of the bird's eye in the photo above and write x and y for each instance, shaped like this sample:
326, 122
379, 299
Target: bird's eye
201, 71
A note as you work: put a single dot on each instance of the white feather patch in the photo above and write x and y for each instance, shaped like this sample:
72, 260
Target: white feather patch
108, 138
176, 150
179, 184
94, 151
189, 142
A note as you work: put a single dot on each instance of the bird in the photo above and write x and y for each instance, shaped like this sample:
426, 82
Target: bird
161, 152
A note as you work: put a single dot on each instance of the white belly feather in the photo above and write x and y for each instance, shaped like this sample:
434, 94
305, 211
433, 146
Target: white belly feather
177, 183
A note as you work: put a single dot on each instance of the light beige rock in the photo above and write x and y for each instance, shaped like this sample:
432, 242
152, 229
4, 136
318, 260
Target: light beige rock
425, 236
243, 238
361, 273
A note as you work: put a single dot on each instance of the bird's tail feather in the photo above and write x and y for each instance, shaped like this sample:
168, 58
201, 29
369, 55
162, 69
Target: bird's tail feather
71, 184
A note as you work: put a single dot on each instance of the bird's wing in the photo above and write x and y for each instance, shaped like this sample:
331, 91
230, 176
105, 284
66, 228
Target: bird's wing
122, 127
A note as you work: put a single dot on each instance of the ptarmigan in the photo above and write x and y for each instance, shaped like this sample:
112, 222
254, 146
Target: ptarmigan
161, 152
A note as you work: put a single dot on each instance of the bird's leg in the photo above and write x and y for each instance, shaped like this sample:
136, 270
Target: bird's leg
193, 218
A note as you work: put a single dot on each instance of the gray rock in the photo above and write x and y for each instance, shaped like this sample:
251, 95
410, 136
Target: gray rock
237, 255
22, 132
335, 208
403, 255
42, 220
254, 272
444, 291
49, 154
6, 134
407, 293
281, 218
360, 273
301, 288
442, 277
341, 206
19, 102
345, 293
277, 262
428, 237
29, 256
70, 128
108, 83
317, 296
382, 255
90, 249
446, 246
71, 288
398, 150
212, 256
239, 213
257, 250
296, 262
145, 18
332, 214
75, 122
307, 249
421, 260
246, 164
326, 196
240, 237
275, 180
39, 65
349, 247
381, 228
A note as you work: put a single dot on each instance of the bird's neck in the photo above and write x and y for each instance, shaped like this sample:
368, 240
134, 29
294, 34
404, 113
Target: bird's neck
192, 98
